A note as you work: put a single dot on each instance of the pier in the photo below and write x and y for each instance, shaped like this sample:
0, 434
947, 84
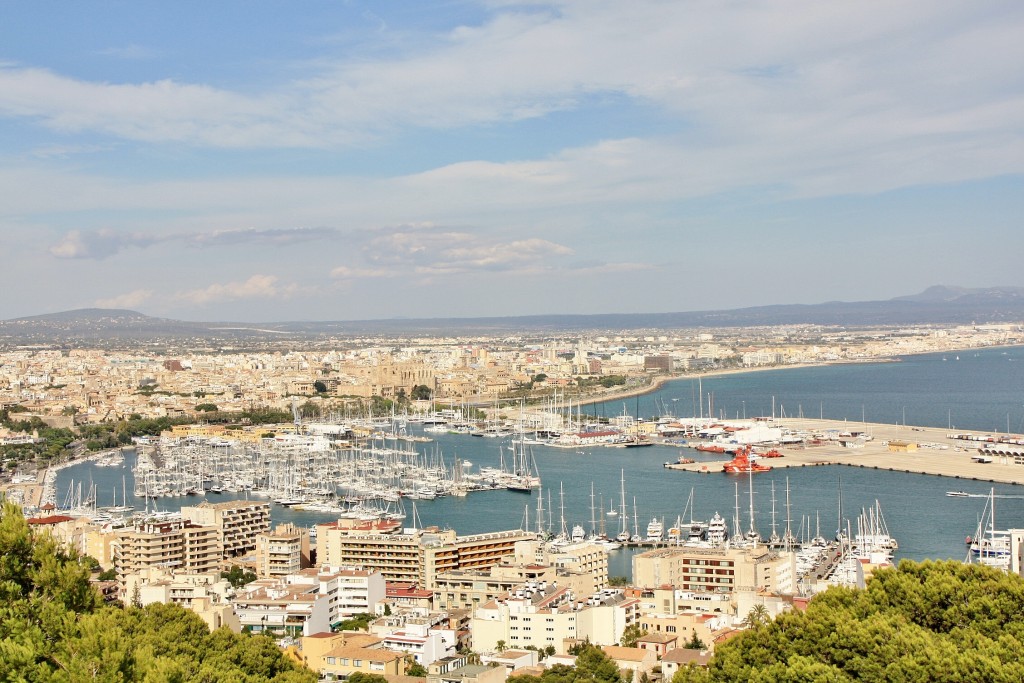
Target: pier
928, 450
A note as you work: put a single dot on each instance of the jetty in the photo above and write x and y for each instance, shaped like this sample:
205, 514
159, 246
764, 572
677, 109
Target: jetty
977, 456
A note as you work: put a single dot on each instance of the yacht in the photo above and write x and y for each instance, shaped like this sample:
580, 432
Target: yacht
655, 531
717, 532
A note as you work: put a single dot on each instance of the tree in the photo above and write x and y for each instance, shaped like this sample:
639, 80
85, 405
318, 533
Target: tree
618, 581
631, 634
928, 621
357, 622
360, 677
416, 669
309, 409
758, 616
206, 408
55, 626
421, 392
319, 387
238, 577
695, 643
594, 665
500, 646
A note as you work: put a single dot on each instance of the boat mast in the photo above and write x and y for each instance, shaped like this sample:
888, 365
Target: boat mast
736, 515
563, 532
750, 480
540, 512
593, 518
789, 520
625, 517
636, 521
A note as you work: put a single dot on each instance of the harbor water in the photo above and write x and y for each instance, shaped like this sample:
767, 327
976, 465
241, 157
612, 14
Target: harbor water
981, 391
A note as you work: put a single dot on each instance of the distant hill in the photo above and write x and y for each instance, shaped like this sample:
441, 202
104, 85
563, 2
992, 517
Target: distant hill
935, 305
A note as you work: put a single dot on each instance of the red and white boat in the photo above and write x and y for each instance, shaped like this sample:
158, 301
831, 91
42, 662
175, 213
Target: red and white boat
743, 463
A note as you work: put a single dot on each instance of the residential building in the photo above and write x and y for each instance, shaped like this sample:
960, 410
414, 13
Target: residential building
336, 656
238, 522
283, 551
542, 616
634, 659
204, 594
682, 657
716, 570
173, 544
418, 556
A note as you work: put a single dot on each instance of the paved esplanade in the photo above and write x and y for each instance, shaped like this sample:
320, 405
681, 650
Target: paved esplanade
953, 461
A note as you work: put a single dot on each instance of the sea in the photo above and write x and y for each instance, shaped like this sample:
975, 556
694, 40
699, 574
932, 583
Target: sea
976, 390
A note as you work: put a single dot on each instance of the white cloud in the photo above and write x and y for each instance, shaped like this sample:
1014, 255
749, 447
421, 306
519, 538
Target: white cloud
791, 90
445, 252
256, 287
132, 299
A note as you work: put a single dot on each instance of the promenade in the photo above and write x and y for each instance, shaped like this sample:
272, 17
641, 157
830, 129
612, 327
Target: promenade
954, 461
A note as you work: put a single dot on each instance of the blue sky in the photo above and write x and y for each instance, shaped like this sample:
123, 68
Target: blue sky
350, 160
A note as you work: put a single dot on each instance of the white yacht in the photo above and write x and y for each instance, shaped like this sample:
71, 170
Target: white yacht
655, 531
717, 532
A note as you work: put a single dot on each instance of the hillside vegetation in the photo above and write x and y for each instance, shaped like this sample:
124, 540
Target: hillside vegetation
54, 627
929, 621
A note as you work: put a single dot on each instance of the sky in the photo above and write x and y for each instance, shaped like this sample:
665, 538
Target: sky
348, 160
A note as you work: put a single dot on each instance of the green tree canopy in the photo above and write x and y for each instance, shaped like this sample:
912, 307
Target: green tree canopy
55, 627
360, 677
631, 634
928, 621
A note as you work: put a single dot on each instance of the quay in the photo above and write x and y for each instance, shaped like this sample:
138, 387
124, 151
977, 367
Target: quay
916, 450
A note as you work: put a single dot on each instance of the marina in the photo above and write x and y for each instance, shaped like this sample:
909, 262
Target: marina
911, 487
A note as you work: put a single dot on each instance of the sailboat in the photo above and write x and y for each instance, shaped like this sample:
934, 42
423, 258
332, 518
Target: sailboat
623, 536
989, 546
123, 507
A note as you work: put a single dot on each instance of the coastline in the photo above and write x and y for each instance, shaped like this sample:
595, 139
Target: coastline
659, 381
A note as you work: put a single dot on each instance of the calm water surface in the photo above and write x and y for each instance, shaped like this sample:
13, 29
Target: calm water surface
980, 391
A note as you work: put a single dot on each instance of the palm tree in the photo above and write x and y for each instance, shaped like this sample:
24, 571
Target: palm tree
758, 616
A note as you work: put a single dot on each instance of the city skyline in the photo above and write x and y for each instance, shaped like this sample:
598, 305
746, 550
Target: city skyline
352, 161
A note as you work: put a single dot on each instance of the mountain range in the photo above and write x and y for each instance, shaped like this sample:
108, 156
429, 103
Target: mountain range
935, 305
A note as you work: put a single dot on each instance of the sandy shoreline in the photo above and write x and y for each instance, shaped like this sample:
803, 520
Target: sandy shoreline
661, 380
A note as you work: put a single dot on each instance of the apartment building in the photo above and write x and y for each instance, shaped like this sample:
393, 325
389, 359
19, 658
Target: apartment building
283, 551
275, 606
542, 616
174, 544
204, 594
581, 567
336, 656
238, 522
716, 570
416, 557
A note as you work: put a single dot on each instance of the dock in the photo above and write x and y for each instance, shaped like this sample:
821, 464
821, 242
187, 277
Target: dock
933, 451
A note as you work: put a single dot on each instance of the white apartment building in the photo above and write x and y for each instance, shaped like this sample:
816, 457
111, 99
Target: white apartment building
541, 616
